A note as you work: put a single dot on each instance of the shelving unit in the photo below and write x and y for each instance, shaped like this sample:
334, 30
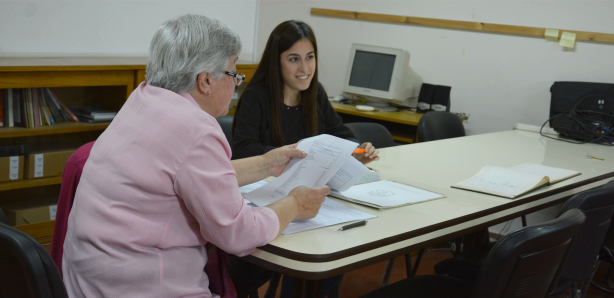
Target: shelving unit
77, 81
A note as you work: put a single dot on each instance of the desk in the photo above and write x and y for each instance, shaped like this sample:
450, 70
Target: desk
402, 124
325, 252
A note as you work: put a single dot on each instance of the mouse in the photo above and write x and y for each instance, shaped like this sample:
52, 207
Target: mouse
364, 108
338, 98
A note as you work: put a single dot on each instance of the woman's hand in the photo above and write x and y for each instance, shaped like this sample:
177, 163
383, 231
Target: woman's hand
308, 200
277, 159
370, 153
301, 203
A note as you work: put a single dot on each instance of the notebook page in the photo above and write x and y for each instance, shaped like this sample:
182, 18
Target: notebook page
501, 181
555, 174
388, 194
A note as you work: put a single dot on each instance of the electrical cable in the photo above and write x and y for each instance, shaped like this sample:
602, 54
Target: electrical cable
597, 126
503, 229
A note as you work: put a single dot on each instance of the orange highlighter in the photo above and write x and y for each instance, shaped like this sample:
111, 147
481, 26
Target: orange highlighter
359, 151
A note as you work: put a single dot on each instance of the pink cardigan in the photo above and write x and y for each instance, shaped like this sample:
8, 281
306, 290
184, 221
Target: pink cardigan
70, 179
157, 186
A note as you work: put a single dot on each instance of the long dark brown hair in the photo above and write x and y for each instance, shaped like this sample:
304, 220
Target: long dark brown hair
283, 37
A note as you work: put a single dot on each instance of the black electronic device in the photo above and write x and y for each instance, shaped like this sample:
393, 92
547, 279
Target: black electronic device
583, 111
570, 127
441, 99
425, 98
434, 98
565, 96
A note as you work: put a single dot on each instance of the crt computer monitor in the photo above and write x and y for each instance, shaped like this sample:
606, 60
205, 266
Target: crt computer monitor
382, 75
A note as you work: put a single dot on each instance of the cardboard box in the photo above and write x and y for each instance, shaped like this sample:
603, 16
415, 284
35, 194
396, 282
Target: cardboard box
21, 213
48, 164
11, 168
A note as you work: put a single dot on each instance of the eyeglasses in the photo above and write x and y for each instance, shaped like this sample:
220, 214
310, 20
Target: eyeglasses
239, 77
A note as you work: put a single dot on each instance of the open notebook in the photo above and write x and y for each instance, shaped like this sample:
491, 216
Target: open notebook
515, 181
385, 194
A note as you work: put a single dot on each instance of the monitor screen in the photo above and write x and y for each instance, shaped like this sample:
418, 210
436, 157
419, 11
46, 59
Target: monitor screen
372, 70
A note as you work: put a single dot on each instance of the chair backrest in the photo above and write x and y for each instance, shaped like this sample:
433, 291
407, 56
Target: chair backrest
598, 207
226, 124
439, 125
526, 262
375, 133
26, 269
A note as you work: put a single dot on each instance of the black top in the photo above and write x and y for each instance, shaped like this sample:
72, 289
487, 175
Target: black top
253, 135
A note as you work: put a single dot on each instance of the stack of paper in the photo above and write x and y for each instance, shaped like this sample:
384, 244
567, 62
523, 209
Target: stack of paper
385, 194
329, 162
331, 213
93, 113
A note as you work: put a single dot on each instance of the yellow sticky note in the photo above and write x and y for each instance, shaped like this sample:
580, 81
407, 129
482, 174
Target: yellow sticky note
568, 39
552, 35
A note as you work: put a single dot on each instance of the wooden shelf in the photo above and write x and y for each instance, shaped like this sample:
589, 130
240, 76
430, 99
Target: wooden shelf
59, 128
27, 183
77, 81
42, 231
405, 138
403, 117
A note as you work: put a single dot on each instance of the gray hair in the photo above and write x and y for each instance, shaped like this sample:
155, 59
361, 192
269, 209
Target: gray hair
186, 46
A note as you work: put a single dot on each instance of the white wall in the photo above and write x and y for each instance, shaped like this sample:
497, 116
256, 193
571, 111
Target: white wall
95, 27
498, 79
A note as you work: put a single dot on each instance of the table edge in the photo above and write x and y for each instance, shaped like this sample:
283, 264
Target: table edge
322, 258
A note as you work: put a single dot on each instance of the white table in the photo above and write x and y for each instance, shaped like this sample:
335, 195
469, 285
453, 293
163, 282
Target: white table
313, 255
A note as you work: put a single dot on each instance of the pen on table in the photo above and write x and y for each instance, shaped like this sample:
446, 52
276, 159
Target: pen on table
353, 225
359, 151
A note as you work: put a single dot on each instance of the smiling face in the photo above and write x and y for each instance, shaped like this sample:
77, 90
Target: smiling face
298, 65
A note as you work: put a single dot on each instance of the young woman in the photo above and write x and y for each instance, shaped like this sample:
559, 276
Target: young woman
284, 102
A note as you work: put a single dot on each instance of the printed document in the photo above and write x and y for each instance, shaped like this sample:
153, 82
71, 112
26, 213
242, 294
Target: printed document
331, 213
328, 162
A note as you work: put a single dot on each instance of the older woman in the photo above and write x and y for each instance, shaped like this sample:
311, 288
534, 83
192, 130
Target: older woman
159, 183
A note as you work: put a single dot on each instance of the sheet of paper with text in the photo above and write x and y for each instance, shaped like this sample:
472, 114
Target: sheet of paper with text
326, 154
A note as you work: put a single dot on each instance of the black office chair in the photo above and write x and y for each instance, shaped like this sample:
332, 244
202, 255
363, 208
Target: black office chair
248, 278
380, 137
525, 263
597, 205
375, 133
439, 125
606, 255
26, 269
226, 124
431, 127
3, 218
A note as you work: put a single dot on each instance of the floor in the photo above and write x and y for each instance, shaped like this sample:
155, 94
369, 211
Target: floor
362, 281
